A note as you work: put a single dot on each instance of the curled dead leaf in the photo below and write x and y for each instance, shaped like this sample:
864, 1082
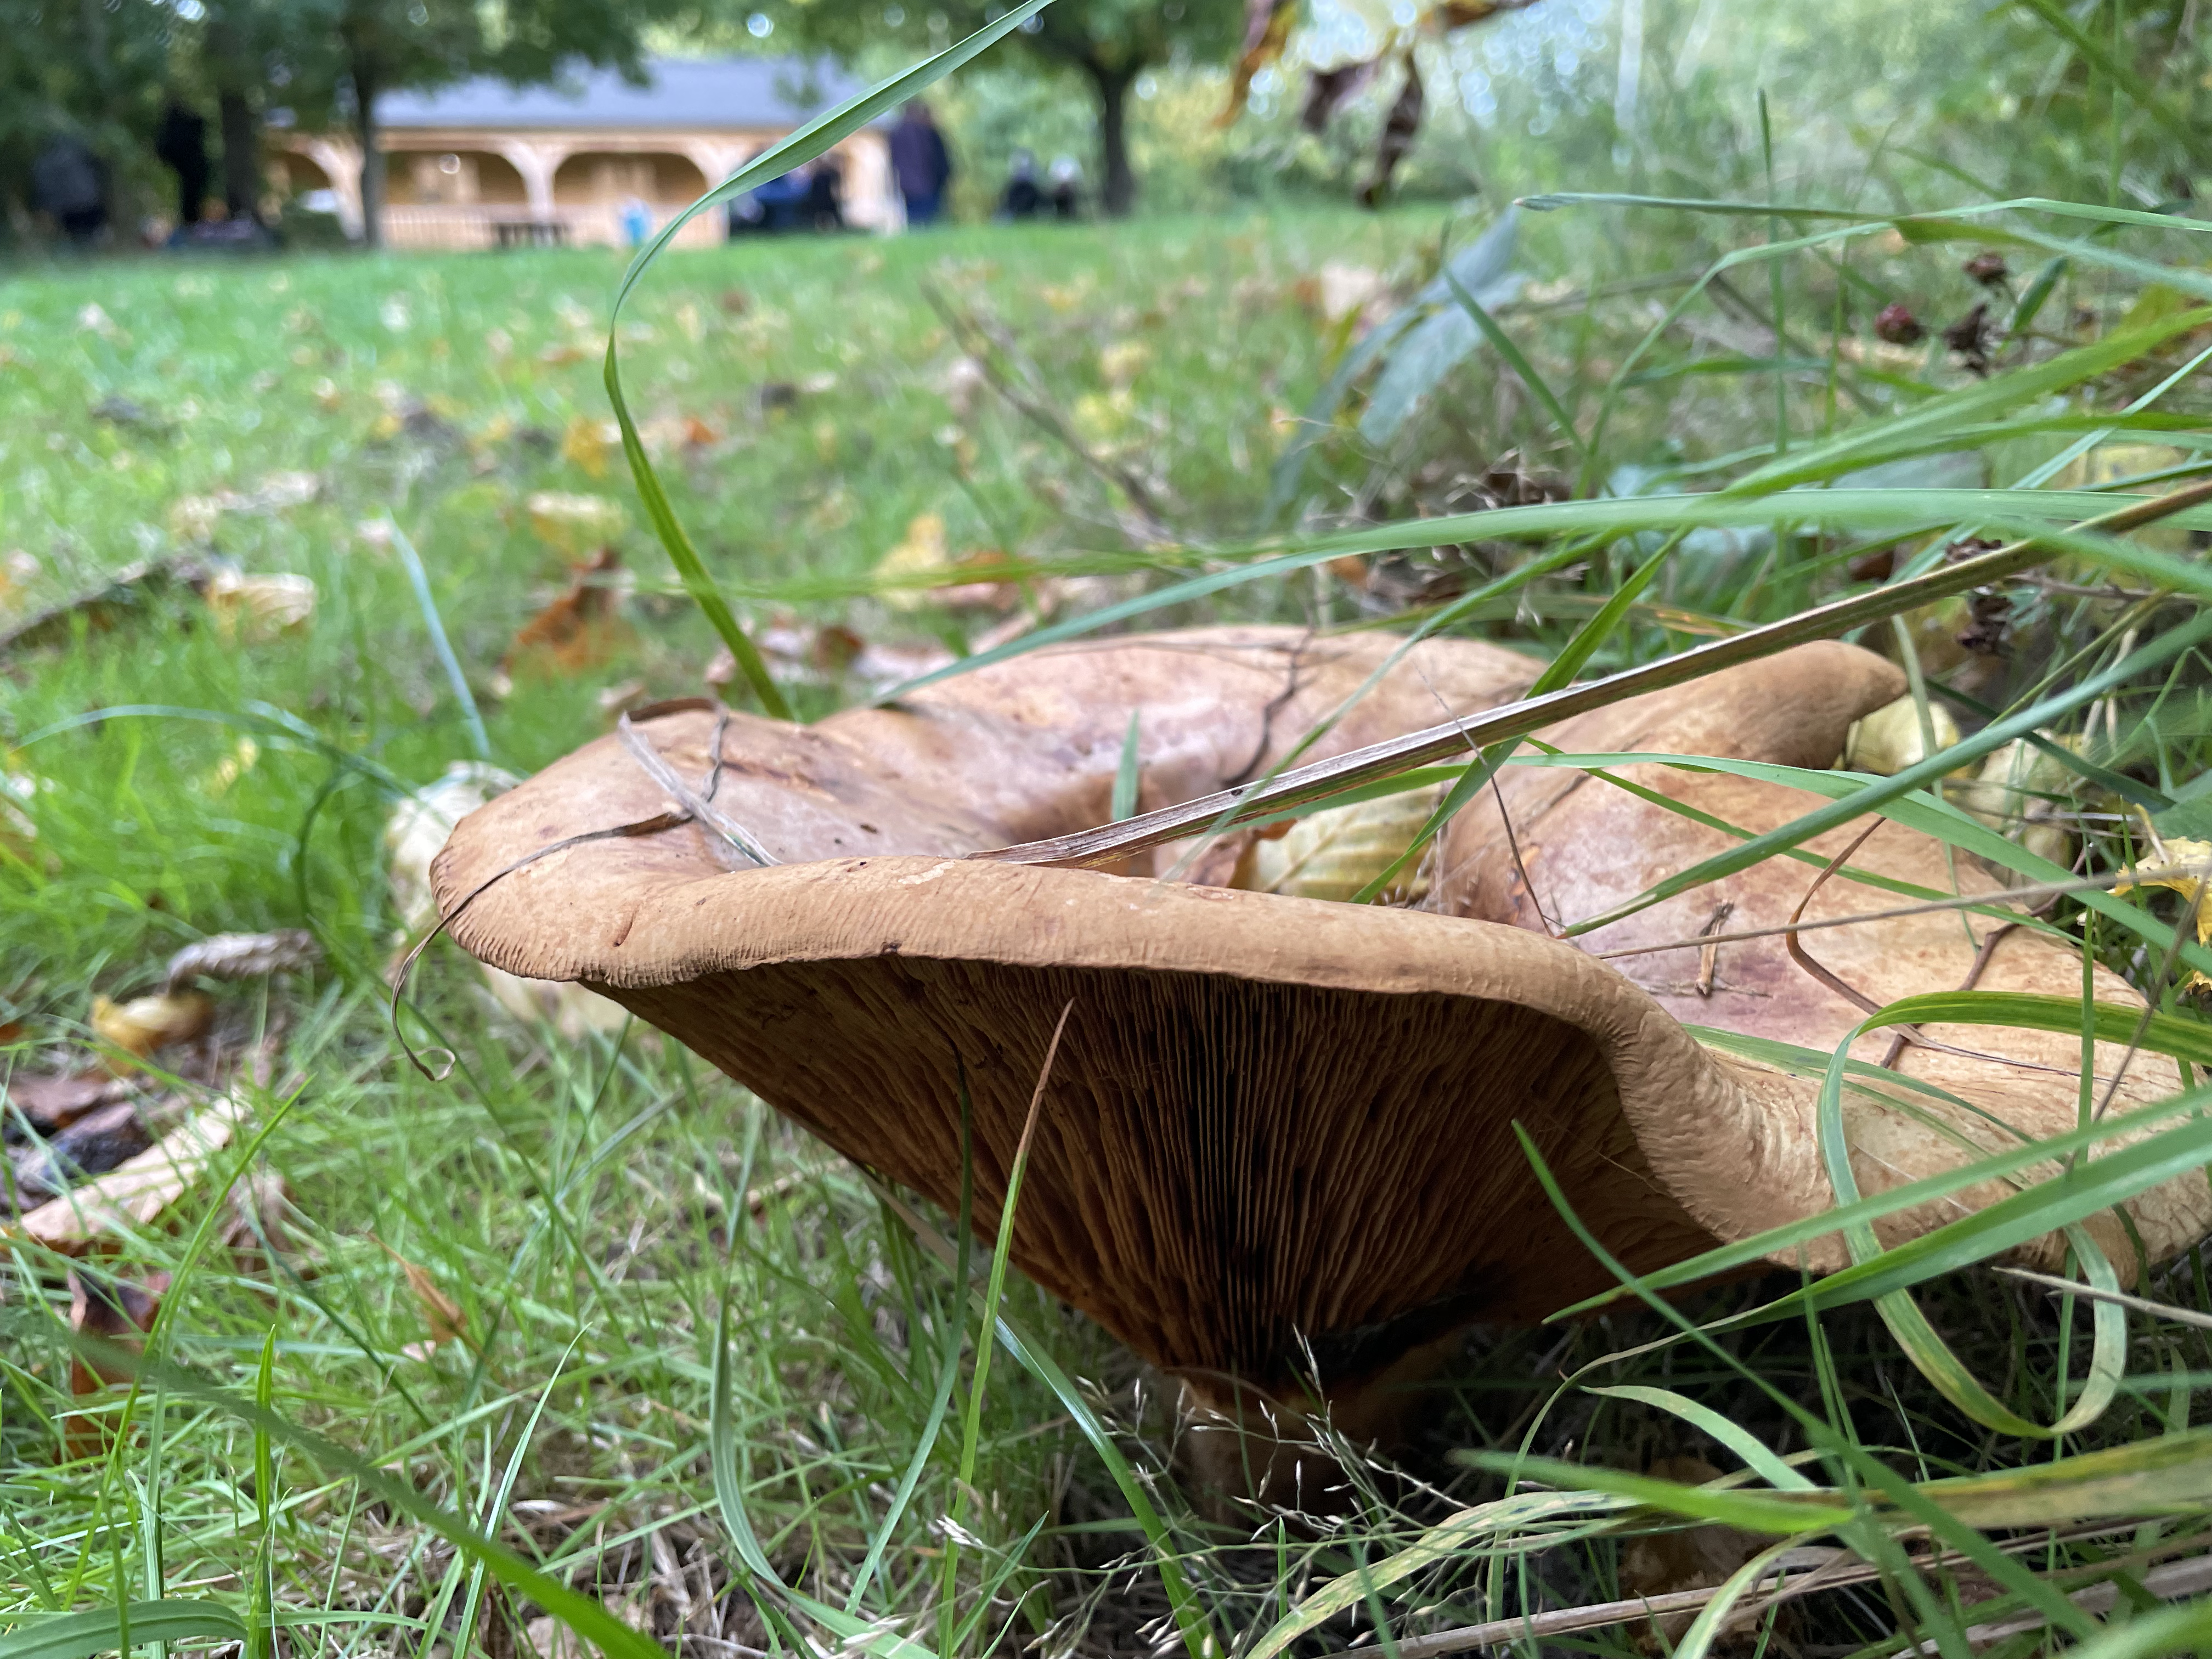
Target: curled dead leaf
2188, 865
244, 955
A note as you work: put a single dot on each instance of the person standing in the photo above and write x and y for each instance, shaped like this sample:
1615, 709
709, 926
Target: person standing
921, 163
181, 142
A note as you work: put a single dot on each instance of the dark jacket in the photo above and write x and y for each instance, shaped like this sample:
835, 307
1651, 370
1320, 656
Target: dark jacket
920, 160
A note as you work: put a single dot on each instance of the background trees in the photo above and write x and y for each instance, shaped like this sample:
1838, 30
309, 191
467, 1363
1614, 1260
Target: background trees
104, 73
1105, 45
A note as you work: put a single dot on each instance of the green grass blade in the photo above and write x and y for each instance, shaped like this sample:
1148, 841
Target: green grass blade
1559, 673
803, 145
948, 1372
1926, 773
1514, 358
262, 1619
79, 1635
580, 1614
1739, 1440
1126, 774
456, 681
2122, 74
1706, 1628
1983, 400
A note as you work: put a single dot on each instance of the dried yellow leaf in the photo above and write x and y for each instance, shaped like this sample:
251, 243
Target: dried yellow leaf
922, 553
573, 524
2186, 865
1332, 854
588, 443
143, 1024
1120, 363
1890, 740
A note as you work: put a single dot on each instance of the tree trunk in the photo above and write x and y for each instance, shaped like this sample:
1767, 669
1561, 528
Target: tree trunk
1117, 192
371, 158
241, 154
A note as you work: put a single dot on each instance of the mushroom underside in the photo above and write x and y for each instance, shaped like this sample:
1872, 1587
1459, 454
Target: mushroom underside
1266, 1182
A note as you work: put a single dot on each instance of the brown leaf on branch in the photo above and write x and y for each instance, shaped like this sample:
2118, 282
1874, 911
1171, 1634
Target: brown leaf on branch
1267, 25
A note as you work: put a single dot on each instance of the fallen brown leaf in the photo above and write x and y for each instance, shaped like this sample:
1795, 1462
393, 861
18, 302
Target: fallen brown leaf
440, 1311
110, 1311
136, 1192
1695, 1557
580, 628
51, 1102
135, 587
96, 1143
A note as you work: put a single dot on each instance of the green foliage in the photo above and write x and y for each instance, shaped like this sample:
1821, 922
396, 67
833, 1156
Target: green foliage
1096, 48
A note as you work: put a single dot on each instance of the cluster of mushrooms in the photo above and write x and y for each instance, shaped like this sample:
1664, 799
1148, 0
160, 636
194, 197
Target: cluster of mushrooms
1276, 1155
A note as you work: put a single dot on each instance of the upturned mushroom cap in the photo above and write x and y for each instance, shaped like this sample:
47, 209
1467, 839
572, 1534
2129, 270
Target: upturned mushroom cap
1278, 1139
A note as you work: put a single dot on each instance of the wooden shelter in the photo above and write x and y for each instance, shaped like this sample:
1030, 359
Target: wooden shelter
482, 164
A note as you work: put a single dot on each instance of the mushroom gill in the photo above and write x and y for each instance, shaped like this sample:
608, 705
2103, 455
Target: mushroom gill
1278, 1147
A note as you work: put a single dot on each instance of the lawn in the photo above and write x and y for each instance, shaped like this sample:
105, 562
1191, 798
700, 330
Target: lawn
573, 1199
500, 1292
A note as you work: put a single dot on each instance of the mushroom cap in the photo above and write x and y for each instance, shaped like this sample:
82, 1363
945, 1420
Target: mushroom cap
1278, 1135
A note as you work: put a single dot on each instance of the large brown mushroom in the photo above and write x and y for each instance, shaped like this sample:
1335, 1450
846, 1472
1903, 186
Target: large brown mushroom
1276, 1151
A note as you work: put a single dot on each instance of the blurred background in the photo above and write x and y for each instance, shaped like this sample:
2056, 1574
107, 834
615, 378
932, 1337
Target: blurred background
122, 125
